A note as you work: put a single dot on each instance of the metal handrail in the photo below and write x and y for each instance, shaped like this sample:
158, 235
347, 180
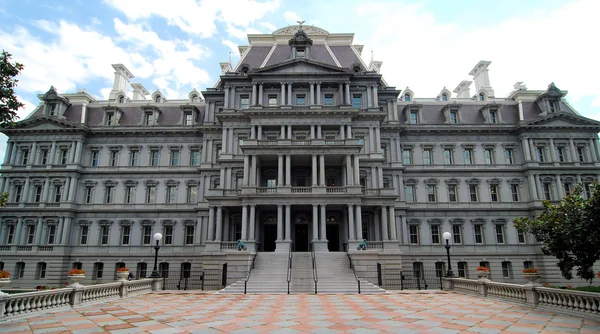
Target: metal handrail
250, 267
314, 265
354, 271
289, 274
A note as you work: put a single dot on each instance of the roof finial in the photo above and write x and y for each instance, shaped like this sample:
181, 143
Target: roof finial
300, 25
229, 57
371, 55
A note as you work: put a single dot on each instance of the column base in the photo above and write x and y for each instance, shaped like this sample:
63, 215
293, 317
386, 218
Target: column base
282, 246
251, 245
320, 246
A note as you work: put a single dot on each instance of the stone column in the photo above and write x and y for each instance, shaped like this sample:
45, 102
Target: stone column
13, 154
64, 228
254, 94
314, 171
351, 225
33, 155
25, 198
38, 232
593, 152
219, 227
322, 170
279, 222
358, 221
526, 153
318, 93
375, 97
573, 150
318, 131
349, 170
579, 179
280, 170
323, 222
534, 156
312, 93
552, 151
377, 140
380, 176
72, 152
384, 224
246, 169
211, 224
72, 189
312, 132
315, 223
244, 222
288, 223
372, 141
289, 132
349, 132
288, 171
348, 97
282, 132
342, 132
369, 99
222, 177
8, 154
289, 98
596, 148
226, 98
253, 171
559, 188
224, 140
356, 168
538, 186
46, 190
252, 238
260, 94
341, 93
52, 156
392, 220
282, 100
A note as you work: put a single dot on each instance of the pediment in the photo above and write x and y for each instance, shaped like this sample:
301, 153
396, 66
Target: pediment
563, 120
299, 66
44, 123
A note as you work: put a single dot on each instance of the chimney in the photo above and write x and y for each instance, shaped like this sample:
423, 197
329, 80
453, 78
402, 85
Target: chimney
463, 90
139, 92
482, 79
121, 83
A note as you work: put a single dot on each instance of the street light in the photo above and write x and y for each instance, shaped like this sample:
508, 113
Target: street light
447, 236
157, 237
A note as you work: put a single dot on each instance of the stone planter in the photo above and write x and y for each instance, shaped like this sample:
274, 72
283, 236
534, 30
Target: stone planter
75, 279
123, 276
531, 278
4, 282
482, 274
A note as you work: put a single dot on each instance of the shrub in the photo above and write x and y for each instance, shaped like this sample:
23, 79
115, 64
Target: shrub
76, 272
480, 268
4, 274
588, 288
122, 269
531, 271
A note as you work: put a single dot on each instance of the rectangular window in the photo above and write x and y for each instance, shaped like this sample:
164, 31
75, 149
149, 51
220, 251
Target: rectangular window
489, 156
493, 117
462, 269
125, 234
356, 101
175, 158
448, 157
431, 193
499, 233
129, 194
189, 235
244, 101
452, 194
51, 234
110, 119
104, 234
83, 234
440, 269
57, 193
41, 270
10, 235
146, 235
171, 194
547, 192
560, 153
527, 264
407, 157
89, 192
300, 100
435, 234
427, 157
134, 158
94, 158
142, 269
521, 237
19, 270
540, 153
580, 154
148, 119
473, 192
195, 158
494, 192
514, 190
18, 193
457, 234
272, 100
154, 158
163, 268
64, 154
114, 158
453, 118
188, 119
168, 240
587, 187
98, 270
478, 233
508, 155
414, 117
468, 157
38, 194
192, 194
506, 269
44, 157
151, 194
328, 99
567, 187
30, 234
410, 193
25, 158
109, 194
414, 234
552, 106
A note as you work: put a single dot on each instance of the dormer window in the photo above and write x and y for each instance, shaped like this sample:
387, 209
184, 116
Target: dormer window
195, 98
121, 99
552, 106
188, 119
407, 97
157, 99
148, 119
110, 119
453, 117
300, 44
444, 97
52, 110
493, 117
414, 117
481, 97
300, 52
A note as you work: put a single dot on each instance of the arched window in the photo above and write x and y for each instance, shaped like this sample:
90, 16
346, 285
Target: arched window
121, 99
157, 99
444, 97
195, 99
407, 97
481, 97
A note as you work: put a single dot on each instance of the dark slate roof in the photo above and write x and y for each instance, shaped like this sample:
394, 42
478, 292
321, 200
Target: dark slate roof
530, 110
320, 54
345, 56
256, 55
281, 54
132, 116
432, 114
73, 113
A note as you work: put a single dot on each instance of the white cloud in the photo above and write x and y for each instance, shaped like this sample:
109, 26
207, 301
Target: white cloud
269, 26
241, 33
291, 18
23, 113
232, 46
95, 21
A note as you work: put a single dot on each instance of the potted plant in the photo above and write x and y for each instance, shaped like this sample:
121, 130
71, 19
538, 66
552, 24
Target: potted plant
4, 280
531, 275
123, 274
483, 272
75, 276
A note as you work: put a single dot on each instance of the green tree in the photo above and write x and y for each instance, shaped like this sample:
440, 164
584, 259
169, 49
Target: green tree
569, 231
9, 104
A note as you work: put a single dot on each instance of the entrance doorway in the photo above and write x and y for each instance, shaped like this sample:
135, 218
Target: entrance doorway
270, 237
301, 237
333, 236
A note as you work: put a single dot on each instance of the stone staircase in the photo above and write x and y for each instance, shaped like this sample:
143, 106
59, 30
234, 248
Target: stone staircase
270, 275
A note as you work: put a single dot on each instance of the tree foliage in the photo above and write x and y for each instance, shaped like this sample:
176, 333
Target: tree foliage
9, 104
570, 231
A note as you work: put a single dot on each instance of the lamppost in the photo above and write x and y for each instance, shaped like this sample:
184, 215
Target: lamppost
157, 237
447, 236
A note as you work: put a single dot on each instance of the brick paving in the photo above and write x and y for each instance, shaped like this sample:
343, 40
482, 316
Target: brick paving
402, 312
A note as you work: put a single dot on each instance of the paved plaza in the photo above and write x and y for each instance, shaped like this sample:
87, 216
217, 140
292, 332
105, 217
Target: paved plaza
402, 312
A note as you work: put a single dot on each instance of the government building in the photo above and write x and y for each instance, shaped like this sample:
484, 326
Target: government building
301, 146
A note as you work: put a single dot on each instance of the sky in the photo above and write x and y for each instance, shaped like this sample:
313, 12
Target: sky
176, 46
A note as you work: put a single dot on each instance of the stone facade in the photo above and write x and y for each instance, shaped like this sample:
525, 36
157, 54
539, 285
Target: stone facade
300, 144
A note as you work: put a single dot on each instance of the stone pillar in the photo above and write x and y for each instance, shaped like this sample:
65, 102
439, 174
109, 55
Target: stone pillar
260, 94
282, 100
377, 140
342, 132
323, 222
349, 132
254, 94
312, 93
33, 155
358, 221
315, 223
593, 152
351, 225
289, 132
552, 151
314, 171
46, 190
72, 189
280, 170
219, 227
312, 132
349, 170
559, 188
13, 154
252, 238
244, 222
375, 97
373, 141
392, 220
38, 232
318, 93
25, 197
341, 93
72, 152
288, 171
356, 168
538, 185
279, 222
52, 154
369, 99
348, 97
224, 140
532, 149
384, 224
322, 170
573, 150
211, 224
9, 148
226, 98
288, 223
253, 132
532, 187
246, 169
222, 177
66, 227
319, 132
289, 98
404, 229
253, 171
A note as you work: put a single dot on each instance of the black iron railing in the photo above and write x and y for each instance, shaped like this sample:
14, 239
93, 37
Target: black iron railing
209, 279
397, 279
354, 271
314, 266
289, 267
250, 267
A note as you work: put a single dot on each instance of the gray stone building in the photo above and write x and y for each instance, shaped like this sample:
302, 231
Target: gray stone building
300, 144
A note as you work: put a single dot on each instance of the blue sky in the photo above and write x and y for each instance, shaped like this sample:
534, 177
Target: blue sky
176, 45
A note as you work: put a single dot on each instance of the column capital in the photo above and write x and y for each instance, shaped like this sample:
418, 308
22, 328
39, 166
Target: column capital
347, 82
